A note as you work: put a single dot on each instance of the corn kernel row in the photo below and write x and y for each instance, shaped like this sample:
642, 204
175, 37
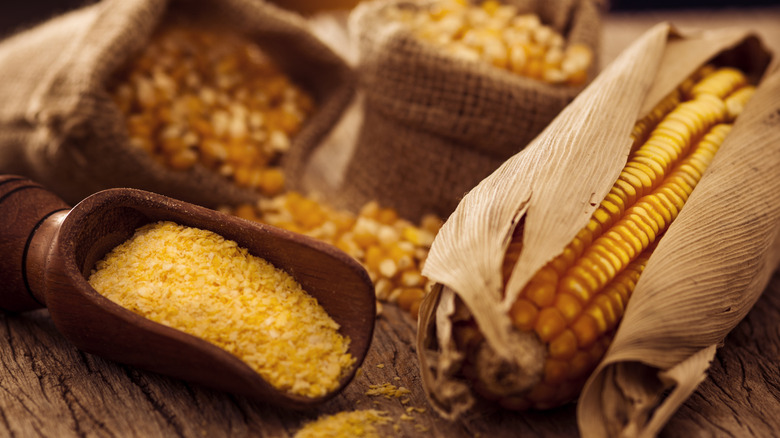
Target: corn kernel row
498, 34
194, 96
392, 250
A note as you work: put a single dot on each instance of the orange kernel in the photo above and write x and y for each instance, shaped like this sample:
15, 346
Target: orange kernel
586, 330
523, 314
563, 346
549, 324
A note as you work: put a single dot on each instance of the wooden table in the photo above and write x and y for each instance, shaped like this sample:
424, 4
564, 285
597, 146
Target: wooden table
48, 388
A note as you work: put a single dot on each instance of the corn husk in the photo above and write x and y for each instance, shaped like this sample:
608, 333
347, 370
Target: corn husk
704, 276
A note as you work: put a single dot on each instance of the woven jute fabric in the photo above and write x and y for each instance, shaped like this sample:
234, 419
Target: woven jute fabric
59, 125
434, 125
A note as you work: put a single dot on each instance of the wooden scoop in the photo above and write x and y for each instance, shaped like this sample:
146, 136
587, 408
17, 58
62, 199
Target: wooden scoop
48, 251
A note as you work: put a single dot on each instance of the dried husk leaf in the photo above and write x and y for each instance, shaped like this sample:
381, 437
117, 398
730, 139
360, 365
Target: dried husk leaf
554, 185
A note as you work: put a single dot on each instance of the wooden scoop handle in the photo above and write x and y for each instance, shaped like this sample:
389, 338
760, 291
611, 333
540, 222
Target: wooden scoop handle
28, 214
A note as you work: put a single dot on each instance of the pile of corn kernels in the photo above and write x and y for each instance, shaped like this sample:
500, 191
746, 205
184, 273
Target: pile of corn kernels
500, 35
193, 96
392, 250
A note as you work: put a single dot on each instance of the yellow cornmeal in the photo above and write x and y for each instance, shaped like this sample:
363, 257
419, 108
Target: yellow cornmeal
358, 424
202, 284
387, 390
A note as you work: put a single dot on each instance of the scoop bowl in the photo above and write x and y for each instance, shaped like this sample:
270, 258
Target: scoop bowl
50, 250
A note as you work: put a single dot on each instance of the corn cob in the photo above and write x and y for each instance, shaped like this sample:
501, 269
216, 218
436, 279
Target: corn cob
574, 304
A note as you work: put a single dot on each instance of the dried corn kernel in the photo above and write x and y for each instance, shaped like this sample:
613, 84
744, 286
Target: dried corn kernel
197, 282
390, 248
194, 97
500, 35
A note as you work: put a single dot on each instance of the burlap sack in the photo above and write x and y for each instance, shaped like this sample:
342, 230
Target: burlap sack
59, 126
435, 126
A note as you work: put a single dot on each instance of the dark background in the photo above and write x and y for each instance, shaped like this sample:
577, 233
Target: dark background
16, 15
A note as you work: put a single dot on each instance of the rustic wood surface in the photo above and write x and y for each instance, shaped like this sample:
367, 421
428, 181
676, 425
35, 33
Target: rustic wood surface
49, 388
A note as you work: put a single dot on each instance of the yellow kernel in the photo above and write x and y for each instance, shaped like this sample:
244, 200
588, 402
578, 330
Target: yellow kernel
370, 210
534, 68
549, 324
245, 211
597, 315
586, 330
414, 309
387, 268
417, 236
374, 257
577, 77
183, 160
569, 306
607, 310
563, 346
411, 278
409, 296
576, 286
541, 293
364, 233
272, 182
523, 314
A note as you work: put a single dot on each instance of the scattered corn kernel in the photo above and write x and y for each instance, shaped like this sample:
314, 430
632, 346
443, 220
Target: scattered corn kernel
498, 34
196, 281
196, 97
390, 248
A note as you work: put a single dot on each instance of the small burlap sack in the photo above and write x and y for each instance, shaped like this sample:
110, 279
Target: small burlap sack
59, 126
434, 126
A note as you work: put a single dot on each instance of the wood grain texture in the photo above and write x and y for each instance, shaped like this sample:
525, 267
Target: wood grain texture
49, 388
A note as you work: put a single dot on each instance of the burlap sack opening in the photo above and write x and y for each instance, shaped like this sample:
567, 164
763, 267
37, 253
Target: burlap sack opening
59, 126
435, 126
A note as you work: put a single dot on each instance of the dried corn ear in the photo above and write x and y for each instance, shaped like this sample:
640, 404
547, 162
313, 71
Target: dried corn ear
540, 271
576, 301
498, 34
215, 100
391, 249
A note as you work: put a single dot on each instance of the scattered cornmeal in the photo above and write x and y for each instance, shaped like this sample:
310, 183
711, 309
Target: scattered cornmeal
498, 34
202, 284
387, 390
215, 99
358, 424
